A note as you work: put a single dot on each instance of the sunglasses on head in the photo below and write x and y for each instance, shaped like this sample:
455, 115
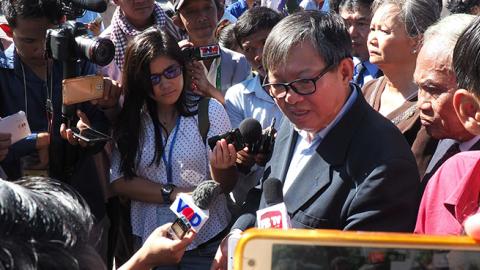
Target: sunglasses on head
169, 73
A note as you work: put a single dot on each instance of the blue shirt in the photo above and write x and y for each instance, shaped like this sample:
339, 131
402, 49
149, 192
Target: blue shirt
238, 8
305, 149
372, 71
13, 92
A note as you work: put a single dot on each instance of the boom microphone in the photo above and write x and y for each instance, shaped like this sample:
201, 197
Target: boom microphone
92, 5
275, 215
192, 211
248, 133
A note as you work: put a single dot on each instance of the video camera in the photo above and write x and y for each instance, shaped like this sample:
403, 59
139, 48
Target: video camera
201, 53
249, 134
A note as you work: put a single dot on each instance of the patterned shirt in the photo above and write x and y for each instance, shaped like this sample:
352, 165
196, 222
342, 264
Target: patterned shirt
190, 167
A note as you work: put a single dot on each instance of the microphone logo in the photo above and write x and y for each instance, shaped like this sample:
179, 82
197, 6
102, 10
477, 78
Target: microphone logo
271, 219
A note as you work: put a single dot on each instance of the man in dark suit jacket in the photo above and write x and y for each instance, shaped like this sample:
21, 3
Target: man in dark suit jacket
342, 164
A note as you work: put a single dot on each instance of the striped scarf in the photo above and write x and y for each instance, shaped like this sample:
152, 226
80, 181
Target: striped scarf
122, 29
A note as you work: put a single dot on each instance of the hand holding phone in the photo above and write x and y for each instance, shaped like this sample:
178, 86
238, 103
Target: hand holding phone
90, 135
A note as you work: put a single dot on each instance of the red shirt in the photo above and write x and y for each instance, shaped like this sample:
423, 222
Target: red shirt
451, 195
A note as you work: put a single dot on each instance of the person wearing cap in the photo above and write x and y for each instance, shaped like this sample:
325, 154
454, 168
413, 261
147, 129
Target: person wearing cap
210, 78
130, 19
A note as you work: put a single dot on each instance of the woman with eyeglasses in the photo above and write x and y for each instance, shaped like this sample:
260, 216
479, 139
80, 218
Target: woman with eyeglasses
395, 37
159, 149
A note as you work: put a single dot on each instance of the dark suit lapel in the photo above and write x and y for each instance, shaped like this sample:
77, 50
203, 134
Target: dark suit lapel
442, 148
332, 151
475, 147
310, 181
284, 146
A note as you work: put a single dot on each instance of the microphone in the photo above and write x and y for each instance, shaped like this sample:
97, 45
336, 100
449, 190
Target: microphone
275, 215
248, 133
92, 5
192, 210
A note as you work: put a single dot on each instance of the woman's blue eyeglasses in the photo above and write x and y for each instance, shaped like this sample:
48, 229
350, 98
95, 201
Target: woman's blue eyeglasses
169, 73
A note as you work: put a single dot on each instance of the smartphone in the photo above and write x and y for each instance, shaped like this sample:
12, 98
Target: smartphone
332, 249
179, 228
90, 135
81, 89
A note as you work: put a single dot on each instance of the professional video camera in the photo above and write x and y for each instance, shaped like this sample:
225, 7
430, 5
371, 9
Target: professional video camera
68, 43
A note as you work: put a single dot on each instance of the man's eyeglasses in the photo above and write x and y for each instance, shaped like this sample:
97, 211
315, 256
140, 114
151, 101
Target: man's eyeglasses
301, 86
169, 73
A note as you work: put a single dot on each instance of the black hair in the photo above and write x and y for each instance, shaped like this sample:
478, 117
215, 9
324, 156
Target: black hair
254, 20
32, 9
226, 36
466, 58
137, 87
462, 6
326, 32
44, 224
354, 4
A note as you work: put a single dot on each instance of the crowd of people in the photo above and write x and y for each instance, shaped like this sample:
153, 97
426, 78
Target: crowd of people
375, 107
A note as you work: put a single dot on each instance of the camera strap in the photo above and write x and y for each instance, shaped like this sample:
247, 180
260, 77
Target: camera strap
168, 162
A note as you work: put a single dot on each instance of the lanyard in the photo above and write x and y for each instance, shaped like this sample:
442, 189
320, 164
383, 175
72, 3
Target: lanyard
168, 163
218, 81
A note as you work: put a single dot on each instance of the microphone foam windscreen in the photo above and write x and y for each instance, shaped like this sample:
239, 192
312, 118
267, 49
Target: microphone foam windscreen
273, 191
204, 193
251, 130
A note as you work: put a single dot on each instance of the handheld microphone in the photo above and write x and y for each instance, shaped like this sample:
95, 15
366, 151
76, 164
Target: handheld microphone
192, 211
92, 5
275, 215
248, 133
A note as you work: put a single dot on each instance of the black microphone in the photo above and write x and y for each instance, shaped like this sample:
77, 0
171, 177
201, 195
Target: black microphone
92, 5
192, 211
249, 132
244, 222
273, 191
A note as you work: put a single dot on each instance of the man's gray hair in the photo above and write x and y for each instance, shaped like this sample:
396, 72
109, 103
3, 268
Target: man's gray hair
448, 30
417, 15
326, 32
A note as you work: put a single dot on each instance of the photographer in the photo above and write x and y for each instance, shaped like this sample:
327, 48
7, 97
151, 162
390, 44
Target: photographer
31, 83
211, 77
248, 98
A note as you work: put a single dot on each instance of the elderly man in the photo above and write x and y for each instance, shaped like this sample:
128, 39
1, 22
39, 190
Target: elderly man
437, 84
452, 192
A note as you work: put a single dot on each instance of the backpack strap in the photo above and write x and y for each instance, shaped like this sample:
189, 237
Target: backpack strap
203, 119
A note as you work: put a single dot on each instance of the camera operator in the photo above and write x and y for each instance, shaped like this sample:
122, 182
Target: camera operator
211, 77
31, 83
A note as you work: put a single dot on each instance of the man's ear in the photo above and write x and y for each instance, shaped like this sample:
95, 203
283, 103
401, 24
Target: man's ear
467, 107
346, 70
177, 21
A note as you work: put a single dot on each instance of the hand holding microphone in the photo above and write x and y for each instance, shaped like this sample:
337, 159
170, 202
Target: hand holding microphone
192, 211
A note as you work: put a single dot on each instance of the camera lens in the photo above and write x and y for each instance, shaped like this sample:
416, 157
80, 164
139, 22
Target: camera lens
99, 51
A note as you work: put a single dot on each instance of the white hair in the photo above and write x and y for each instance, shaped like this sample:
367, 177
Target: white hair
448, 30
